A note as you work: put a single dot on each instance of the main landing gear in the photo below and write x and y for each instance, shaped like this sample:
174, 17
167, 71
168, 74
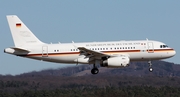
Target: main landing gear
95, 70
150, 66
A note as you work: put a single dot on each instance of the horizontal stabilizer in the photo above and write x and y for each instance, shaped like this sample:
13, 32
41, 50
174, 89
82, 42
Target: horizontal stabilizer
20, 49
16, 51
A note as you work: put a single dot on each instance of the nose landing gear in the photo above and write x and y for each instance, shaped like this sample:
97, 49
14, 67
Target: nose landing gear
150, 66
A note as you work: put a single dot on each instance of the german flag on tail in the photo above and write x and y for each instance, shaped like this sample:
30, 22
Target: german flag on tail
18, 25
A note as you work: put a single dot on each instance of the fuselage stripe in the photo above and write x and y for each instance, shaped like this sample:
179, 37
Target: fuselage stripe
106, 52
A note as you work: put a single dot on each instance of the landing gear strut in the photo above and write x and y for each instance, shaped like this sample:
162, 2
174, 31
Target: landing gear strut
95, 70
150, 66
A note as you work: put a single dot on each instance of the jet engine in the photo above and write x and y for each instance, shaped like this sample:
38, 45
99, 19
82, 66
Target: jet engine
121, 61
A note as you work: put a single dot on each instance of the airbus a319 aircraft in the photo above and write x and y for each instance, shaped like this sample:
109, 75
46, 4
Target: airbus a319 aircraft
112, 54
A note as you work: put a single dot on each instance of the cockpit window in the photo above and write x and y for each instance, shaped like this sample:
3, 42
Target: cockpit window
163, 46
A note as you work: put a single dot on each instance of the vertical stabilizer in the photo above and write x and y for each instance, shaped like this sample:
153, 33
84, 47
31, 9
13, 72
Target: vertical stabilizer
22, 36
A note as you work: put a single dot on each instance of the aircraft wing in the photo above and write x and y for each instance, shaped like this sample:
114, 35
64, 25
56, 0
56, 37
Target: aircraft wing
90, 53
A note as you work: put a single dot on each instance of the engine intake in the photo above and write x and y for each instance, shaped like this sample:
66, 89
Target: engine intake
122, 61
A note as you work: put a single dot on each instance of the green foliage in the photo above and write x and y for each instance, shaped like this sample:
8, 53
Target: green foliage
134, 81
130, 91
15, 84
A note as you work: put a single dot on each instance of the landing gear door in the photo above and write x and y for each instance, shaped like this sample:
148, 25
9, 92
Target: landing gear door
44, 51
150, 47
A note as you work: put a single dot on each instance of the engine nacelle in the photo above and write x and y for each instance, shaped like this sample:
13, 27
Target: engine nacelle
122, 61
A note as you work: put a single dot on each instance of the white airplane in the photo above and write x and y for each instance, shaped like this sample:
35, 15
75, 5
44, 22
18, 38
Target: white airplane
107, 54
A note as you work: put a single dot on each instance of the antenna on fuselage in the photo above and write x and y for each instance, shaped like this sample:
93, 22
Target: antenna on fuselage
74, 45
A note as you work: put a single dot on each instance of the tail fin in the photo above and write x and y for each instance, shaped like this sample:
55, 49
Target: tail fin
22, 36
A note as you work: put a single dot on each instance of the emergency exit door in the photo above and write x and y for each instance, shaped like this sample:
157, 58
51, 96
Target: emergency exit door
44, 51
150, 47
